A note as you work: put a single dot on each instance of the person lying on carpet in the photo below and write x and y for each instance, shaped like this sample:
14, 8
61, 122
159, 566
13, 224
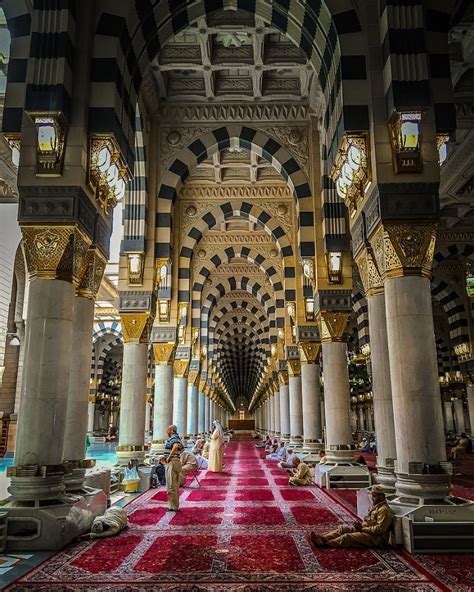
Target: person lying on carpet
280, 454
109, 524
189, 464
287, 463
373, 531
300, 473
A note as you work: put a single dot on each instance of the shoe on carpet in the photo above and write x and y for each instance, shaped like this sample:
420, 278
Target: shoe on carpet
171, 510
317, 540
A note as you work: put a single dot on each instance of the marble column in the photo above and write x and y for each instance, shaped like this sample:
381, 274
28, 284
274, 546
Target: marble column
382, 389
163, 402
201, 412
132, 402
417, 407
470, 403
284, 409
271, 406
276, 404
78, 396
337, 402
43, 406
90, 414
362, 425
180, 404
311, 401
459, 416
193, 411
448, 416
147, 416
296, 404
207, 415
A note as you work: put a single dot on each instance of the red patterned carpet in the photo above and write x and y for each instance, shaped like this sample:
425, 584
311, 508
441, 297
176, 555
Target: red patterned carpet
244, 530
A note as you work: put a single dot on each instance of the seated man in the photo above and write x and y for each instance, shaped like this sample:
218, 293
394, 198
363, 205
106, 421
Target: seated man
300, 474
287, 463
373, 531
205, 450
322, 457
264, 443
112, 522
158, 474
198, 446
280, 454
189, 463
203, 463
459, 451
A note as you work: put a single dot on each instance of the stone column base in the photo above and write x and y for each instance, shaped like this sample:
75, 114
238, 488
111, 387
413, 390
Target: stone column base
36, 488
128, 452
285, 437
296, 441
340, 456
310, 445
417, 490
386, 474
157, 447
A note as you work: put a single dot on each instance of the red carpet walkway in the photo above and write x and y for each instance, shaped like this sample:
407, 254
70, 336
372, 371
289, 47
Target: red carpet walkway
244, 530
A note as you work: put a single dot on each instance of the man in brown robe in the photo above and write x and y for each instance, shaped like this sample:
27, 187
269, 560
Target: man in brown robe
300, 474
373, 531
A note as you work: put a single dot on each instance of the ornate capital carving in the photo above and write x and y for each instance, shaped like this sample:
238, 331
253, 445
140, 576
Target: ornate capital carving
56, 252
333, 325
294, 368
369, 272
309, 351
94, 271
163, 352
193, 377
135, 327
181, 368
283, 377
404, 249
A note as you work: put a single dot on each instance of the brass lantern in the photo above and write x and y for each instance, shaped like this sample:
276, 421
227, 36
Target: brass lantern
405, 134
51, 130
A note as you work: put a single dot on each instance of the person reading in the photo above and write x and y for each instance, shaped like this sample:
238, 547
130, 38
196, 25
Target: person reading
189, 464
300, 473
373, 531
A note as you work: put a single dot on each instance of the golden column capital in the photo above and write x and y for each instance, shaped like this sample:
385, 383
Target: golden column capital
202, 385
163, 353
369, 272
309, 351
193, 377
135, 326
333, 325
94, 271
181, 368
404, 249
294, 368
283, 377
56, 252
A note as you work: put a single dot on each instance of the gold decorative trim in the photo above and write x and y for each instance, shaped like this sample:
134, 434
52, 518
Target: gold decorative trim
135, 327
333, 325
294, 368
163, 352
181, 368
309, 351
369, 273
93, 274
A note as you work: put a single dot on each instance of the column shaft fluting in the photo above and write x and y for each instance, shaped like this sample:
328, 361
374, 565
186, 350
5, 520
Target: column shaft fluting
162, 405
296, 411
414, 377
285, 412
133, 401
311, 400
337, 402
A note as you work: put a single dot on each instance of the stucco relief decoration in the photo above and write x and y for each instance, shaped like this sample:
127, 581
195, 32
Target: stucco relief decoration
175, 139
295, 139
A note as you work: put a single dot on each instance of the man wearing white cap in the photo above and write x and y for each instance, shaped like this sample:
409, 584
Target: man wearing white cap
373, 531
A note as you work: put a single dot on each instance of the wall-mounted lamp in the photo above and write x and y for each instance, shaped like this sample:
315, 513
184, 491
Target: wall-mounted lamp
308, 273
405, 133
351, 170
182, 321
108, 173
309, 309
334, 265
291, 310
442, 141
163, 311
51, 130
135, 264
162, 273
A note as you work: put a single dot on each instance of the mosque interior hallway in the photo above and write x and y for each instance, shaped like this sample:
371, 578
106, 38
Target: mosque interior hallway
242, 529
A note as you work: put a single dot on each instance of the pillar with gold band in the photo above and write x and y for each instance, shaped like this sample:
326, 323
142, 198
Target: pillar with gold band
284, 401
333, 326
311, 395
193, 399
164, 345
180, 389
201, 405
380, 365
294, 390
136, 328
79, 378
57, 259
